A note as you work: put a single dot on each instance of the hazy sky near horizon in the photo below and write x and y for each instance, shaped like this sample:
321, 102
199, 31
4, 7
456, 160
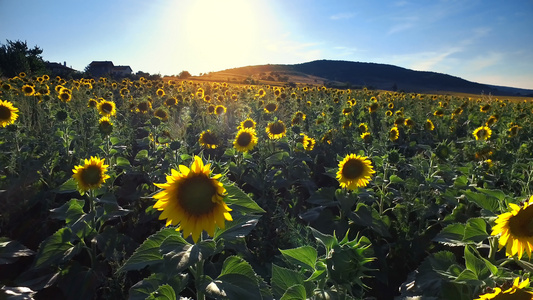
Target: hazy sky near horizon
486, 41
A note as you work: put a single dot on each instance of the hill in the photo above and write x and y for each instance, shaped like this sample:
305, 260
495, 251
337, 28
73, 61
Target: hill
360, 74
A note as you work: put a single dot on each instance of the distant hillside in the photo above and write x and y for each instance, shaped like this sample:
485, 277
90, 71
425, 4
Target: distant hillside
360, 74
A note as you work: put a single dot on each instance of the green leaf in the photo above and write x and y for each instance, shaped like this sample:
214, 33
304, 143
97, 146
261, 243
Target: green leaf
144, 288
70, 186
468, 277
451, 235
236, 197
11, 250
283, 279
69, 212
114, 140
164, 292
325, 239
498, 194
236, 229
148, 252
366, 216
183, 255
143, 154
55, 249
488, 203
305, 256
475, 264
276, 158
123, 162
475, 230
237, 280
395, 179
295, 292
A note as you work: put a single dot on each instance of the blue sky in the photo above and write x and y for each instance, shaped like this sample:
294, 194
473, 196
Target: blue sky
483, 41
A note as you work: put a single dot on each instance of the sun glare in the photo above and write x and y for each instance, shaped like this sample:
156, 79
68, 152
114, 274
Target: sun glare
222, 34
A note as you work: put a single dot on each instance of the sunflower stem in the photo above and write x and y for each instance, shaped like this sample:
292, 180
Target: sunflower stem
200, 295
493, 248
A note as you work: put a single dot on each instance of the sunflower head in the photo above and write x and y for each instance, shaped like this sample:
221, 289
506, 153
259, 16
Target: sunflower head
144, 107
394, 133
161, 113
307, 142
354, 171
429, 125
516, 229
276, 130
208, 140
482, 133
270, 107
91, 175
105, 125
367, 138
193, 199
515, 292
245, 140
106, 108
8, 113
28, 90
160, 92
248, 123
220, 110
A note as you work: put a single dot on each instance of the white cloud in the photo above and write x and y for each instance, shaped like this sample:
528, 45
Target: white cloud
341, 16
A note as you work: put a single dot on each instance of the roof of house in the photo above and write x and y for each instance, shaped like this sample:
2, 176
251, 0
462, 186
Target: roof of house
102, 63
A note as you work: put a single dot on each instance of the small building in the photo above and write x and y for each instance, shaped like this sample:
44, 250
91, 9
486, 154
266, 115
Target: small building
59, 69
107, 68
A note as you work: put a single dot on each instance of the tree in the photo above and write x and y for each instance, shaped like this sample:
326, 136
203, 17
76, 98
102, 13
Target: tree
16, 57
184, 74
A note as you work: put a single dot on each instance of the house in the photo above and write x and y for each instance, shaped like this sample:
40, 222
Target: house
107, 68
59, 69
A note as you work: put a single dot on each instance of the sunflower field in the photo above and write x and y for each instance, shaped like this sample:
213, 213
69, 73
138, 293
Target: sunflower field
166, 189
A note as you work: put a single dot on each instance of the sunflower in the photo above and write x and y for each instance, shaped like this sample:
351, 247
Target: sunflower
28, 90
346, 124
245, 140
394, 133
485, 108
307, 142
248, 123
388, 113
399, 121
409, 123
347, 111
429, 125
106, 108
172, 101
6, 86
8, 113
261, 93
160, 92
514, 292
354, 171
439, 113
516, 229
276, 130
192, 199
367, 138
492, 120
373, 107
220, 109
208, 140
92, 103
105, 125
270, 108
363, 127
482, 133
144, 106
91, 175
513, 131
65, 95
161, 113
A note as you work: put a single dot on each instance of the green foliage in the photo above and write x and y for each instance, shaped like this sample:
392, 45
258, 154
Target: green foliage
16, 57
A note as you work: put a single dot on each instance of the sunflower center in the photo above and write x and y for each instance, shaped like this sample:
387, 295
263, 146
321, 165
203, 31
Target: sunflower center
244, 139
521, 225
91, 175
5, 113
195, 194
353, 169
277, 128
107, 108
248, 124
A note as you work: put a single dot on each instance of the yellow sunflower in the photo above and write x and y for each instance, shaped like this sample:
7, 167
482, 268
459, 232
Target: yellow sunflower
106, 108
160, 92
354, 171
514, 292
367, 138
429, 125
8, 113
105, 125
394, 133
516, 229
245, 140
308, 142
220, 109
91, 175
482, 133
28, 90
208, 140
276, 130
144, 107
270, 108
192, 199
